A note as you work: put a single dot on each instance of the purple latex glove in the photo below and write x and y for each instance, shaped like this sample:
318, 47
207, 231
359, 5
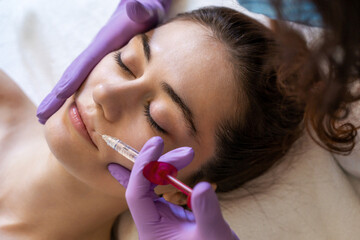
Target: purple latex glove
158, 219
130, 18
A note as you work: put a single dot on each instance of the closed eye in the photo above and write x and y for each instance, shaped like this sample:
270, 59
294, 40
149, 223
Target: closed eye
151, 120
119, 61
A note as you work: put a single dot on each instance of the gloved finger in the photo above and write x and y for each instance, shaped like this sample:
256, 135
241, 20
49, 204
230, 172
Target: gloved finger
79, 69
179, 157
111, 37
173, 212
139, 12
207, 212
120, 173
49, 106
68, 84
139, 193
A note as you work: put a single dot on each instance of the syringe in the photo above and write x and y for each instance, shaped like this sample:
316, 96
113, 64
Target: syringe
160, 173
121, 147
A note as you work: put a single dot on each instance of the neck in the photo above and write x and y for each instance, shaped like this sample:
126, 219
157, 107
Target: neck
42, 200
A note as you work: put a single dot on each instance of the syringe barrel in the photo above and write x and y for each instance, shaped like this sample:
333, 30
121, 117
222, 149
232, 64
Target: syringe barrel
121, 147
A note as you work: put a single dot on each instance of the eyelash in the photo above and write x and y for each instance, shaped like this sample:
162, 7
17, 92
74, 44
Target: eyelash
117, 57
151, 120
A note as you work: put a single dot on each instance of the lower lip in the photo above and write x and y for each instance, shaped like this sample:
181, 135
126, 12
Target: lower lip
77, 122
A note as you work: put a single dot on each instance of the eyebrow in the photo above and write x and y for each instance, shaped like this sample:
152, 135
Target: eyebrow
188, 115
184, 108
146, 46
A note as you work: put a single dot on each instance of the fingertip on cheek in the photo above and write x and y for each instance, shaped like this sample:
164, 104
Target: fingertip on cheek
155, 144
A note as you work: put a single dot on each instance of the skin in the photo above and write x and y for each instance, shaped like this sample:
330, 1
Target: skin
66, 175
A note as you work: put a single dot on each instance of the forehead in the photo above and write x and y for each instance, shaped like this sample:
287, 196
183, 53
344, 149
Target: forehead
197, 65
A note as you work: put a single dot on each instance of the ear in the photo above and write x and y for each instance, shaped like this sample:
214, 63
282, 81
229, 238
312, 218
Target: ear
214, 186
175, 196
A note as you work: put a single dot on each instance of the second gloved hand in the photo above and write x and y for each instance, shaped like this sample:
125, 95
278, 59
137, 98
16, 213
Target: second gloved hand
130, 18
155, 218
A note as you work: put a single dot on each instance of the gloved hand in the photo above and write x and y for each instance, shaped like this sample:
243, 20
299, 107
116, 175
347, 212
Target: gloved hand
130, 18
158, 219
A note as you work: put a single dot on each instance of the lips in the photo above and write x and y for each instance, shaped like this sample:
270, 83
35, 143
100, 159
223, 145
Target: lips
78, 123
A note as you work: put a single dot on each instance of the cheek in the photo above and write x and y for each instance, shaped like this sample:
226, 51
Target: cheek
132, 129
106, 70
203, 154
76, 159
64, 144
61, 137
56, 132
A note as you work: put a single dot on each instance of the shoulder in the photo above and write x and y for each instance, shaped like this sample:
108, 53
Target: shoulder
9, 91
17, 116
14, 104
125, 228
17, 112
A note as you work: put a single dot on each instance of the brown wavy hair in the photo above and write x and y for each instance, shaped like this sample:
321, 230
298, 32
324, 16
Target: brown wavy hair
266, 122
329, 72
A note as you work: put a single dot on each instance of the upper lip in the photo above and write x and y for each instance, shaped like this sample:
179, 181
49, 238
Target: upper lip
86, 122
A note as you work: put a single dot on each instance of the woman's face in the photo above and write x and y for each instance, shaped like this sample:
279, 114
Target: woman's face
174, 82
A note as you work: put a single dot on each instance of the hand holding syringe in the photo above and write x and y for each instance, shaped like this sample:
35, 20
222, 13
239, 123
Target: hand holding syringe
160, 173
156, 218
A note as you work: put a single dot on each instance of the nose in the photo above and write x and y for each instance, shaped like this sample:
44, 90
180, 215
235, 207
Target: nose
115, 99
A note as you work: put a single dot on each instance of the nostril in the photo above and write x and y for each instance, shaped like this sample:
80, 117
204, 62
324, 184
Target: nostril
99, 93
106, 97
